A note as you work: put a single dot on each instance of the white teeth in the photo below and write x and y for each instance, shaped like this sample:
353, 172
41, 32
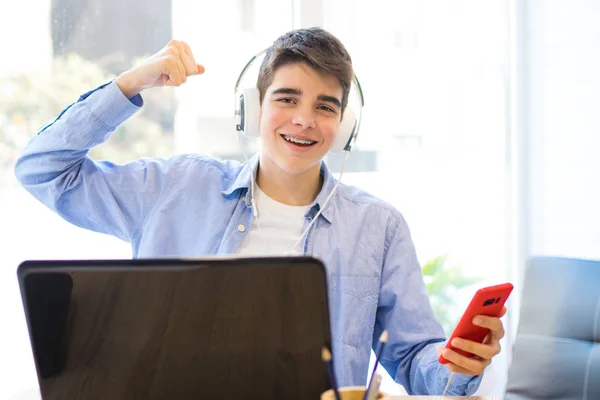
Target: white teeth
297, 140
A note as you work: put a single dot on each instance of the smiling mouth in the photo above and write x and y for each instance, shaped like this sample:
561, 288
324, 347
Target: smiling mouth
298, 141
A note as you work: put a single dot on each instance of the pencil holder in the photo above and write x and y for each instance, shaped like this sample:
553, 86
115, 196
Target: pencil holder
349, 393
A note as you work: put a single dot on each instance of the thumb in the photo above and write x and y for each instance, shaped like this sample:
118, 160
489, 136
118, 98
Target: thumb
200, 70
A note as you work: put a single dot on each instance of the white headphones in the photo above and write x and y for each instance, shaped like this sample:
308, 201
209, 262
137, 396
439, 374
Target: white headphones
247, 113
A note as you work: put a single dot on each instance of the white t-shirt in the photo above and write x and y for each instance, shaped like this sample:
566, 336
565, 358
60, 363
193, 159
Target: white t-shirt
276, 229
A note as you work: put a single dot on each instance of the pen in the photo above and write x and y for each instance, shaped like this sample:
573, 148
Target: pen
326, 357
382, 341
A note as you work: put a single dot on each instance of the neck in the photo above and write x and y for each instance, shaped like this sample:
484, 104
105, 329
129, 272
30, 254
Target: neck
292, 189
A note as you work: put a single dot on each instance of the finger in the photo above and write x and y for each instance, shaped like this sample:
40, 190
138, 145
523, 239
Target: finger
181, 69
439, 350
195, 68
173, 72
177, 70
475, 366
187, 58
492, 323
191, 68
485, 351
452, 367
188, 51
487, 339
170, 82
502, 312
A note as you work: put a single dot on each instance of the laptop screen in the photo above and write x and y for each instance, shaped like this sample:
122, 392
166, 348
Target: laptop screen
178, 329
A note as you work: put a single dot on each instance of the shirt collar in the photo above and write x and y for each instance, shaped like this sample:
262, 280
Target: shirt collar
242, 181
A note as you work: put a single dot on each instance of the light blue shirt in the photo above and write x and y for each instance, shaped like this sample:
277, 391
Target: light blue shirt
192, 206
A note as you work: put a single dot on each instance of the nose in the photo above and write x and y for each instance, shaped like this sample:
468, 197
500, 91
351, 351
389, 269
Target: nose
304, 118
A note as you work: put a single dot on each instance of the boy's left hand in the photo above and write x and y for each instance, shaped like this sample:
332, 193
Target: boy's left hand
482, 352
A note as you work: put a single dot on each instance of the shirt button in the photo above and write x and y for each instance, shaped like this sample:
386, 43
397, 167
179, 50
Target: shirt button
241, 228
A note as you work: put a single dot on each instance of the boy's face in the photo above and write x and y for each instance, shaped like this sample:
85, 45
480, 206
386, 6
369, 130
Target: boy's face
300, 116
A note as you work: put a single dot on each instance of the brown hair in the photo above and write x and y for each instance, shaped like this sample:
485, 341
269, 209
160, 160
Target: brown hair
313, 46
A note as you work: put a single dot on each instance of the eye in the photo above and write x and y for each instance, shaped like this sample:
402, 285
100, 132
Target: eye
286, 100
327, 108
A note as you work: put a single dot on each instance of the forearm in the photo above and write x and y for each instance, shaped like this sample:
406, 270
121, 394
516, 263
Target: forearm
60, 147
128, 84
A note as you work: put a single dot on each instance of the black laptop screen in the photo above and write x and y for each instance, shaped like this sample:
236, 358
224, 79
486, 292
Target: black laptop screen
173, 329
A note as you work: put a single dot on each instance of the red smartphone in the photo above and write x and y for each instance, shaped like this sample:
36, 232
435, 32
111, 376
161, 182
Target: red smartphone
486, 301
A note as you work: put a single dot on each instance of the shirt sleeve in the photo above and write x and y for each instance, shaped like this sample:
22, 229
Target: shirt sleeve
404, 309
101, 196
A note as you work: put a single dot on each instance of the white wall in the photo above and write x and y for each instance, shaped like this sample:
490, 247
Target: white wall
561, 118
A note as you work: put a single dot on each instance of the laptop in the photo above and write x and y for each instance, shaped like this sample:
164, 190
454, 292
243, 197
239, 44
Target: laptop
178, 329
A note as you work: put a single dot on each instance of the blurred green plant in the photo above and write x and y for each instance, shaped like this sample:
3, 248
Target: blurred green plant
28, 101
443, 284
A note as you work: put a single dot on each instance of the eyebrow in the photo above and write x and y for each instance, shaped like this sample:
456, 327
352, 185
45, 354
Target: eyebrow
298, 92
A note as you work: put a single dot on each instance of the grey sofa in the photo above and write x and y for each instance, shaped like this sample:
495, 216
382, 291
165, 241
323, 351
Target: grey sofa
556, 354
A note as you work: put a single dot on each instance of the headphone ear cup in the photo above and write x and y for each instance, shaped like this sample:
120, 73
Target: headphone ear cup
250, 112
347, 133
